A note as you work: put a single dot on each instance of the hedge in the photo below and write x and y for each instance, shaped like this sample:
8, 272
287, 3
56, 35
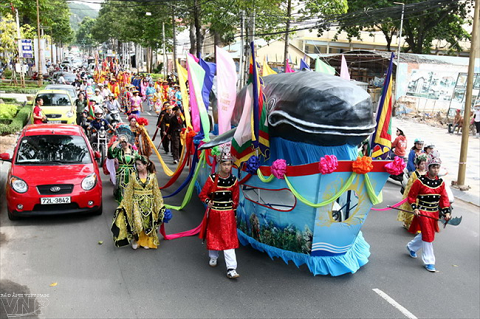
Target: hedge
8, 111
20, 90
18, 121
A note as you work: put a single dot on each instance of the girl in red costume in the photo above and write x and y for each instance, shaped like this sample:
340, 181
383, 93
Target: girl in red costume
221, 193
428, 198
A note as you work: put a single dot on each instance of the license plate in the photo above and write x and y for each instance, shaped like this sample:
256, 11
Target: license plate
54, 121
55, 200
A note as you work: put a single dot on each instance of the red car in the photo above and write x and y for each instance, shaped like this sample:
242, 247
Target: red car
54, 171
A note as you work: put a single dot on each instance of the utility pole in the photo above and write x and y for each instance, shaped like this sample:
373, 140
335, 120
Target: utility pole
287, 30
20, 57
198, 33
462, 165
242, 52
165, 62
39, 66
398, 51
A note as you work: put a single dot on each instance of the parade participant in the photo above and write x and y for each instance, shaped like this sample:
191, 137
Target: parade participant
38, 116
421, 169
150, 91
429, 149
81, 105
221, 194
399, 145
165, 117
136, 104
176, 125
158, 99
143, 88
457, 122
141, 211
428, 198
114, 87
104, 91
125, 155
165, 89
141, 140
476, 119
178, 96
414, 152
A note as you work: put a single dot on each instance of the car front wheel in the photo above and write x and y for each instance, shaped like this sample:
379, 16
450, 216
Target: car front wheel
12, 216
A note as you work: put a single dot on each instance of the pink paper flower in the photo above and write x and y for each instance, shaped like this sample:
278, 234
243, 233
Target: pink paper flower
395, 167
279, 168
328, 164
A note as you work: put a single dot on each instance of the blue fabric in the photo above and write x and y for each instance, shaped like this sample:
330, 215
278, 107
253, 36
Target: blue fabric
189, 177
349, 262
411, 161
297, 153
304, 65
210, 70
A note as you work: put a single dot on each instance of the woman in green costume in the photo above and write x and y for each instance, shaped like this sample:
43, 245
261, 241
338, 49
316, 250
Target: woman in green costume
141, 211
125, 156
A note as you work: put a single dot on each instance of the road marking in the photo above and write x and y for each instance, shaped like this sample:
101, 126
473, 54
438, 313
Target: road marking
390, 300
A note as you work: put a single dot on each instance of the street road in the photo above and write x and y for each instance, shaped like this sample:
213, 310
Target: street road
59, 260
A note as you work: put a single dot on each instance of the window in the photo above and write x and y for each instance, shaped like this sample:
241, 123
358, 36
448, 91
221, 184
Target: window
55, 99
53, 149
277, 199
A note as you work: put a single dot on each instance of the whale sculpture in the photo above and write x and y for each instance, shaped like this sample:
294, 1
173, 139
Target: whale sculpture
311, 212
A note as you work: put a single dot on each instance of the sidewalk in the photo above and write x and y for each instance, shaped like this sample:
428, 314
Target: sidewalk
20, 96
449, 147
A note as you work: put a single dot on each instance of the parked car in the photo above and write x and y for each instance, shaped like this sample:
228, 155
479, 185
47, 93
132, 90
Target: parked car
58, 106
53, 171
69, 88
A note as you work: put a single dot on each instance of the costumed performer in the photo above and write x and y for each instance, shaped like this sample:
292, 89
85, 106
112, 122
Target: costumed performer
125, 156
141, 141
219, 227
141, 211
421, 164
428, 199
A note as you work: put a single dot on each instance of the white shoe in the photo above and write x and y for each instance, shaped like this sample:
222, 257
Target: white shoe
212, 262
232, 274
134, 244
145, 247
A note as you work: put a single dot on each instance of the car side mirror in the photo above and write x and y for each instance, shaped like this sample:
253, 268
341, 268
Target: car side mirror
5, 157
97, 155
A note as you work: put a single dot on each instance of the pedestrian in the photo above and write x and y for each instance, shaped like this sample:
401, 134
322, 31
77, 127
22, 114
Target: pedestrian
219, 228
399, 145
141, 211
81, 105
457, 122
123, 152
428, 199
150, 92
421, 169
476, 119
176, 125
414, 152
38, 115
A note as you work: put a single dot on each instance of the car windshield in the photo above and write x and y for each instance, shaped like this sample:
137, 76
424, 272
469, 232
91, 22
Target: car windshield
55, 99
53, 150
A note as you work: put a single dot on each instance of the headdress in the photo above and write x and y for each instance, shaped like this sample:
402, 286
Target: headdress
434, 161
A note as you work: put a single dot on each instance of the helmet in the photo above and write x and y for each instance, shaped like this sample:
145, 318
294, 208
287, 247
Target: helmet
429, 145
98, 111
434, 161
418, 141
97, 90
111, 94
400, 130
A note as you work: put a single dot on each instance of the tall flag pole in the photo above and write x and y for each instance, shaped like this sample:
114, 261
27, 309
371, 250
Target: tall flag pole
381, 138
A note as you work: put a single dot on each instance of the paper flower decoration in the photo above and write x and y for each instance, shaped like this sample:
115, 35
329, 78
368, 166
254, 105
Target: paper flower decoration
252, 164
142, 121
167, 215
215, 151
328, 164
396, 167
279, 168
362, 165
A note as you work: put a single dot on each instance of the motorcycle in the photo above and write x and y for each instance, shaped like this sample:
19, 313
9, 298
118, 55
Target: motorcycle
99, 139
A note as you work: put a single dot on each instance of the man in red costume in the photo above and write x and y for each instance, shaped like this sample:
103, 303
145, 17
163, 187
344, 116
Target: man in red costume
221, 193
428, 197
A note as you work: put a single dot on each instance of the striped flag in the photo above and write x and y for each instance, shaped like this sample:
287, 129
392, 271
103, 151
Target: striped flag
381, 138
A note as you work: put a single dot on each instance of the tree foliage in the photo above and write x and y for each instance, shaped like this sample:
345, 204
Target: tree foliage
424, 22
8, 34
84, 36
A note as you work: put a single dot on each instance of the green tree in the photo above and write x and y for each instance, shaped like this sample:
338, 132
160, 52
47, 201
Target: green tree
84, 34
8, 35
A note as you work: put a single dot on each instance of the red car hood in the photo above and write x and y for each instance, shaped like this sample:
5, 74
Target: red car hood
45, 175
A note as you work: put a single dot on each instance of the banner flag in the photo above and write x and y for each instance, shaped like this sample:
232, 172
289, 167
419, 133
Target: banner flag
226, 89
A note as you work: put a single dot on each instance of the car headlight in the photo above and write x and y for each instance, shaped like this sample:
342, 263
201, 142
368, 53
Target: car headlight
69, 114
89, 182
18, 185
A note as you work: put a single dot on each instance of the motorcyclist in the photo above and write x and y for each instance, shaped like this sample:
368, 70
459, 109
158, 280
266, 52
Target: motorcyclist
97, 123
112, 104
